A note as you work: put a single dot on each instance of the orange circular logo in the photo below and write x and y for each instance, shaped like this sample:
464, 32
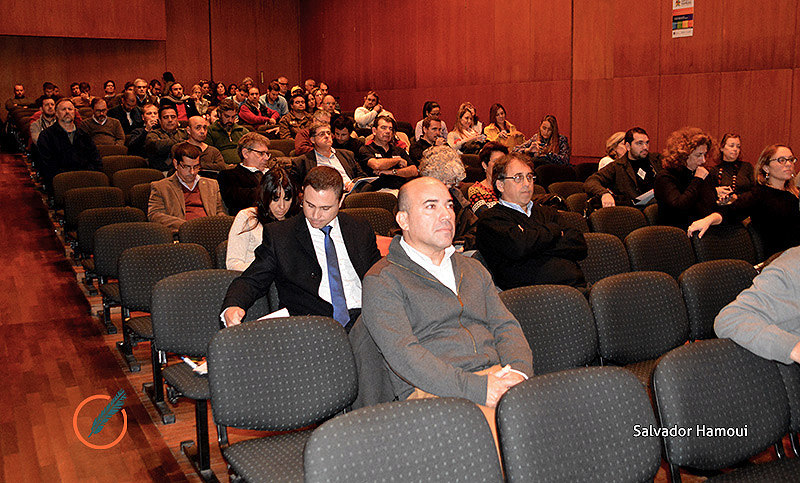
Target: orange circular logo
78, 433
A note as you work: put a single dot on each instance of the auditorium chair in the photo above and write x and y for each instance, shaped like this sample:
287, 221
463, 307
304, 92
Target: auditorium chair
758, 242
139, 270
606, 256
565, 189
660, 248
575, 220
717, 384
707, 287
473, 168
283, 145
112, 164
78, 200
577, 202
66, 181
221, 255
724, 241
112, 150
437, 439
639, 317
376, 199
381, 221
557, 322
539, 190
406, 128
279, 374
140, 196
553, 173
277, 153
128, 178
617, 220
584, 170
791, 381
651, 213
577, 426
109, 243
208, 232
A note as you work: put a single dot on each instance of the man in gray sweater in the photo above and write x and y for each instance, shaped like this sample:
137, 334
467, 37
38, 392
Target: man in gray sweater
765, 318
435, 314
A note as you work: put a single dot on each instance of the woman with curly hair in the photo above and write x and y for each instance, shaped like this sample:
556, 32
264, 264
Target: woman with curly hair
772, 204
547, 146
681, 188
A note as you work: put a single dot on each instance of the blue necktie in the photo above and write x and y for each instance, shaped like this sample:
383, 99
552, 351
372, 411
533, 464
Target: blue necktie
340, 313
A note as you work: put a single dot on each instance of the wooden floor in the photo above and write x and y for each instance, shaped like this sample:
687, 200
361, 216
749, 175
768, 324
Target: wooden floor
55, 353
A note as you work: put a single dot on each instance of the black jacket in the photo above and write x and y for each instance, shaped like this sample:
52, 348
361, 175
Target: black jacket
120, 115
619, 178
57, 154
302, 165
239, 188
683, 197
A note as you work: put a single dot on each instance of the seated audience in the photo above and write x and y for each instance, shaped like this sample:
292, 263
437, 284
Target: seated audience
19, 99
255, 114
142, 95
309, 85
764, 318
276, 201
63, 147
311, 103
323, 154
430, 108
239, 97
302, 141
232, 88
615, 147
47, 119
343, 135
421, 299
481, 194
432, 130
317, 260
383, 158
547, 145
159, 141
501, 130
211, 158
297, 119
772, 204
184, 106
239, 185
283, 82
226, 133
367, 114
464, 137
101, 128
109, 92
523, 243
84, 97
246, 84
220, 94
630, 175
682, 191
127, 113
49, 90
139, 135
329, 105
318, 96
274, 100
184, 195
75, 90
154, 90
732, 172
196, 98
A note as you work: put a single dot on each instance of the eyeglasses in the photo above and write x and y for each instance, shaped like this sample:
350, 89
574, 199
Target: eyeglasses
784, 160
530, 177
195, 167
323, 134
262, 153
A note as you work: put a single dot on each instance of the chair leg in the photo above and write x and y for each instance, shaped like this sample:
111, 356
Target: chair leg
88, 281
795, 440
110, 327
199, 454
126, 346
674, 473
779, 450
155, 389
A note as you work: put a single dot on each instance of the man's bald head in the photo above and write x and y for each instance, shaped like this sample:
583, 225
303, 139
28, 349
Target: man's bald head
426, 216
198, 128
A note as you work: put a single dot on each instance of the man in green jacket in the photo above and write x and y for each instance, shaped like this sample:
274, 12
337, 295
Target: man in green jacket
225, 133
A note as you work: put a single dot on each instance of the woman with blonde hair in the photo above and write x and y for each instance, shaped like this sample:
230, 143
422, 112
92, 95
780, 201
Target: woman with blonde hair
500, 130
464, 138
547, 146
615, 147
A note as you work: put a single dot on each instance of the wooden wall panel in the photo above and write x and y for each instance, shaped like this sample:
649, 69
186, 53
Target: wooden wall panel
514, 47
551, 40
593, 25
188, 44
760, 119
278, 51
97, 19
636, 37
636, 101
234, 38
592, 115
757, 35
688, 100
701, 52
794, 126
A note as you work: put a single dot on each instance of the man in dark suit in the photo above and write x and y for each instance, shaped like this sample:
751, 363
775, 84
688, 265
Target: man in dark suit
324, 155
317, 260
127, 113
239, 185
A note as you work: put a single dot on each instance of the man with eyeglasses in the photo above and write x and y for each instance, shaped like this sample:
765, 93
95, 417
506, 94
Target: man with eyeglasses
225, 133
184, 195
523, 243
324, 155
239, 185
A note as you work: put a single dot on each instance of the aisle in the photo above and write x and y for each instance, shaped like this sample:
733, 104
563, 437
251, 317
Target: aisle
53, 356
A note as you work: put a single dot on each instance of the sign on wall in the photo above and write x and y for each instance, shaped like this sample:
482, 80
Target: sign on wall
682, 18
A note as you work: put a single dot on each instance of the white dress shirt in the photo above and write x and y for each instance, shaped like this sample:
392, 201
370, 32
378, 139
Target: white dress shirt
442, 272
333, 162
350, 280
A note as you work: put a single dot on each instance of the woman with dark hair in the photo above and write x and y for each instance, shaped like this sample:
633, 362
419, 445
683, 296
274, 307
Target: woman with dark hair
500, 130
218, 93
232, 89
311, 102
547, 146
682, 190
277, 200
481, 194
733, 176
772, 204
430, 108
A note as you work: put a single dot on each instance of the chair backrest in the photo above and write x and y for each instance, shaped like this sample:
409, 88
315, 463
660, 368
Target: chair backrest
606, 256
89, 221
758, 243
617, 220
725, 241
639, 316
558, 323
575, 220
553, 173
254, 376
112, 164
718, 384
584, 170
141, 267
565, 189
707, 287
139, 196
355, 446
578, 425
221, 255
381, 221
77, 200
111, 240
660, 248
112, 150
577, 202
651, 213
208, 232
63, 182
791, 381
377, 199
284, 145
539, 190
472, 167
277, 153
126, 179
